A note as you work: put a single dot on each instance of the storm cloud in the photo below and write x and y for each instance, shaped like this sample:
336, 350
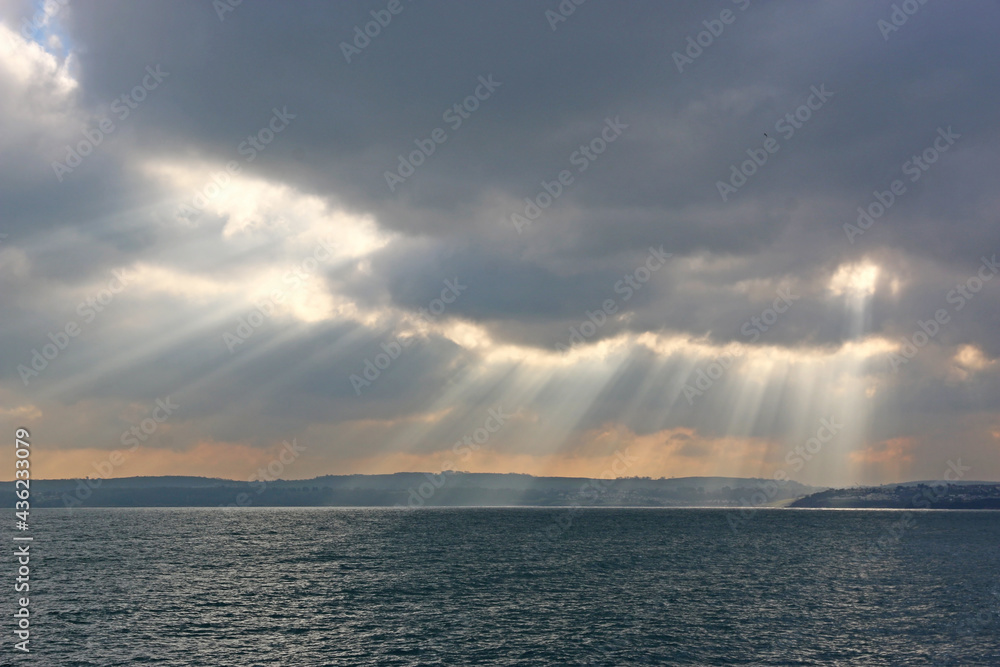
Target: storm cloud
286, 195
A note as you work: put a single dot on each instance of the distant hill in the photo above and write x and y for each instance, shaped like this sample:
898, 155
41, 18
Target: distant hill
911, 495
413, 489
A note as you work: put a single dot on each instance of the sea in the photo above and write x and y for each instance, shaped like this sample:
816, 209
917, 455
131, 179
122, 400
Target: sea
507, 586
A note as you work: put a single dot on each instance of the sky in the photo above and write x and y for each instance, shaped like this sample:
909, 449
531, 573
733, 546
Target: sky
735, 238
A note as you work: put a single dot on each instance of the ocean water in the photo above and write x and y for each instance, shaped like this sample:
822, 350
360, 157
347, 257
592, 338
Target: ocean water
510, 586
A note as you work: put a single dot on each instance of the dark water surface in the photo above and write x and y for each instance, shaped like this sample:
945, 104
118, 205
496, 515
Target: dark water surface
509, 587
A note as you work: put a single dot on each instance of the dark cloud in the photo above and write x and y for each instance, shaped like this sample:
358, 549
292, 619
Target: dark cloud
655, 186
